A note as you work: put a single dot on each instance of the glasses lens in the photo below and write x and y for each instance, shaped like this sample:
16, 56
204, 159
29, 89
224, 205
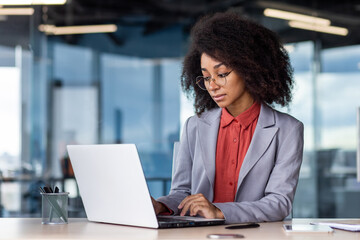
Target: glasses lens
201, 82
221, 81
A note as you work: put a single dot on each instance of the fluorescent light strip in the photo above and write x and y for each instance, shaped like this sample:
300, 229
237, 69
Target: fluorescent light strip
16, 11
46, 28
32, 2
318, 28
269, 12
69, 30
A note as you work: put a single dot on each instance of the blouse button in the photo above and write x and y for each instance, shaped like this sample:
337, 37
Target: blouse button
235, 140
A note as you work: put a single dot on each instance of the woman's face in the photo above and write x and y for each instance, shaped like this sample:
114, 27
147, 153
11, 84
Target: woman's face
233, 96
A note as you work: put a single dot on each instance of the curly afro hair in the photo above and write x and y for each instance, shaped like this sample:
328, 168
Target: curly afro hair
251, 50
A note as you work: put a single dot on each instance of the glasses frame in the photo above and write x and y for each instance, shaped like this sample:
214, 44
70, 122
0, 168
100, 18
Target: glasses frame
201, 81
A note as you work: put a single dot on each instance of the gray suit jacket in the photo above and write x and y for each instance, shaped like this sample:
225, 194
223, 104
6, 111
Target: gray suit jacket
268, 176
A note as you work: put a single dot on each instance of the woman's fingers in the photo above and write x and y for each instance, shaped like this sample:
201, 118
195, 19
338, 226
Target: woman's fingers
197, 208
197, 204
188, 199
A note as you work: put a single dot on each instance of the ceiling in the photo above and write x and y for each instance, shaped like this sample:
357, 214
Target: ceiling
157, 15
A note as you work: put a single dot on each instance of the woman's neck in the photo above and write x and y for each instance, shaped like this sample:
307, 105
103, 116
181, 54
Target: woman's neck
236, 109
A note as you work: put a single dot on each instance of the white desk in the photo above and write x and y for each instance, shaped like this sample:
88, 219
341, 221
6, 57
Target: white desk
79, 228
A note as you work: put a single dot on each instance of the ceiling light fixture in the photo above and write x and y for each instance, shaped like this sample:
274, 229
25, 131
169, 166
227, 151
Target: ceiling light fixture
318, 28
69, 30
269, 12
32, 2
16, 11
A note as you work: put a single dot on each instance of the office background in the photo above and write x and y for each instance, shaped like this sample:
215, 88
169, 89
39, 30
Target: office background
124, 87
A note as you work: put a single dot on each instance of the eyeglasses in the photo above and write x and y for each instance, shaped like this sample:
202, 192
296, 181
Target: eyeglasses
204, 82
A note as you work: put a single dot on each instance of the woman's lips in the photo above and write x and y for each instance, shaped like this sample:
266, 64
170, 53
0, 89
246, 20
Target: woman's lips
219, 97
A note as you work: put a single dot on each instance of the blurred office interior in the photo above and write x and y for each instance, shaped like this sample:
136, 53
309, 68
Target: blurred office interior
123, 86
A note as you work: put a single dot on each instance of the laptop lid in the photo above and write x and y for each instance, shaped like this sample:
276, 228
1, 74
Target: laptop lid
112, 184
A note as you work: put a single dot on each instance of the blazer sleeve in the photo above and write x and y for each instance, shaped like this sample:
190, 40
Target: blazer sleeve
181, 181
280, 189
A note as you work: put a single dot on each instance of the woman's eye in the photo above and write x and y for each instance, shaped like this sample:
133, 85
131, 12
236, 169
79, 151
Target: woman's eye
222, 75
207, 78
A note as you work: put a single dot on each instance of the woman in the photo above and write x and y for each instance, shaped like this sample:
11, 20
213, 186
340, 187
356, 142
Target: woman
238, 158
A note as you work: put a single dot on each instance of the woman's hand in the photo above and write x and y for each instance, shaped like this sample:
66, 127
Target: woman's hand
198, 205
158, 206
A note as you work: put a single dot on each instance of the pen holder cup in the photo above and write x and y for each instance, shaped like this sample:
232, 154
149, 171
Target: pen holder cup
55, 208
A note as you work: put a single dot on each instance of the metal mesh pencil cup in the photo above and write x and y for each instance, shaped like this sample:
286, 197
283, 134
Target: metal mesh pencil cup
55, 208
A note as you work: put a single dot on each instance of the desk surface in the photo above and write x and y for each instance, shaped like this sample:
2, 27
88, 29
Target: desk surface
80, 228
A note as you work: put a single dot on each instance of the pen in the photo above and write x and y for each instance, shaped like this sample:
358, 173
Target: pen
49, 190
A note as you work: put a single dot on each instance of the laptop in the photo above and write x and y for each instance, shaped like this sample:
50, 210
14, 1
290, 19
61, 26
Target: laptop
113, 188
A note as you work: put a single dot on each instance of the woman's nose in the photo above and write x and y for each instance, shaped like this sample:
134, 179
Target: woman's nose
213, 85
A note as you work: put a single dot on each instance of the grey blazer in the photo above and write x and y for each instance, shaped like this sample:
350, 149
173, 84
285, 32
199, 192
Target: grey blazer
268, 176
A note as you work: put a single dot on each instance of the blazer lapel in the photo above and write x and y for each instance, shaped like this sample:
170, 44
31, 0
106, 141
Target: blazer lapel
208, 127
263, 135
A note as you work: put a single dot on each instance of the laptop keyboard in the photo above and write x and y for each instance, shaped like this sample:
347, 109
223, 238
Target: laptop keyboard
171, 220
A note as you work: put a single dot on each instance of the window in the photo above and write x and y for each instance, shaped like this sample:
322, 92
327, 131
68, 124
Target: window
10, 112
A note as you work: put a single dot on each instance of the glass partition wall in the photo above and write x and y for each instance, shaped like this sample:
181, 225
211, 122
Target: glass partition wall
326, 99
338, 94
